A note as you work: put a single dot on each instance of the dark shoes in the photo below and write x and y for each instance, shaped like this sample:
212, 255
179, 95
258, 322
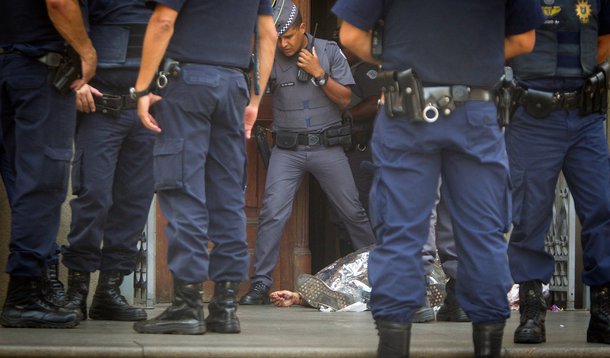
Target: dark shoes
26, 307
487, 339
184, 316
425, 313
450, 310
532, 308
317, 294
109, 304
599, 324
394, 339
223, 309
257, 295
78, 289
52, 288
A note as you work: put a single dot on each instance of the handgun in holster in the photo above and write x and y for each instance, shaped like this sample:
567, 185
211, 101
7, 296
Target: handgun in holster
68, 70
507, 97
262, 144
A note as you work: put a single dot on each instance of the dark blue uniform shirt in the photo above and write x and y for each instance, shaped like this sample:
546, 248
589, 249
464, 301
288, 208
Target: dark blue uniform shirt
25, 26
232, 33
448, 56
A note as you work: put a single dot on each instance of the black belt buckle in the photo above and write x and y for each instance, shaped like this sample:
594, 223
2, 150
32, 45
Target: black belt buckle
111, 101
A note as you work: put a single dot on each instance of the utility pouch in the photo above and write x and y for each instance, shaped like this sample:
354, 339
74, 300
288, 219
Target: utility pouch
538, 104
68, 70
339, 135
286, 140
594, 96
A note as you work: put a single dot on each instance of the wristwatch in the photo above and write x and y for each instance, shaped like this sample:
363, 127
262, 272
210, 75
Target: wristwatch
137, 94
321, 81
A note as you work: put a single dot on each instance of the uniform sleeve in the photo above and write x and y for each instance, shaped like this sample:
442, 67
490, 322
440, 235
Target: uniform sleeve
174, 4
366, 80
264, 8
361, 13
604, 18
523, 16
339, 68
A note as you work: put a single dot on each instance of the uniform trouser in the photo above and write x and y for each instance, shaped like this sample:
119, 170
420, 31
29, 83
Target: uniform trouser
8, 177
440, 239
360, 162
286, 170
538, 150
112, 179
468, 150
199, 168
38, 125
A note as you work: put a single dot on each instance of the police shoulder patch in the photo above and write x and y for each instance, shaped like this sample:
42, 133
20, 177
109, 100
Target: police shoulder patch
372, 74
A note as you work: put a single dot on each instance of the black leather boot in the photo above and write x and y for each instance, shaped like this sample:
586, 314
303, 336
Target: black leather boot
78, 289
223, 309
599, 324
532, 308
257, 295
52, 288
108, 303
26, 307
184, 316
394, 339
487, 339
450, 310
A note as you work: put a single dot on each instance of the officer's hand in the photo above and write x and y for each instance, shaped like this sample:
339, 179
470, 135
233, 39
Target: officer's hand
144, 104
310, 63
250, 118
84, 98
88, 65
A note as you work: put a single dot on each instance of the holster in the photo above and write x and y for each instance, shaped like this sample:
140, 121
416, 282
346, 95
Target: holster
260, 134
65, 69
403, 93
595, 91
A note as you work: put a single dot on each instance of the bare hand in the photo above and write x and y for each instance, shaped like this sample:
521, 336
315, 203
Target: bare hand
144, 104
249, 119
84, 98
310, 63
285, 298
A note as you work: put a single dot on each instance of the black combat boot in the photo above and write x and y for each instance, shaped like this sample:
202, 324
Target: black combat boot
108, 303
487, 339
599, 324
78, 289
52, 288
26, 307
184, 316
394, 339
532, 308
450, 310
257, 295
223, 309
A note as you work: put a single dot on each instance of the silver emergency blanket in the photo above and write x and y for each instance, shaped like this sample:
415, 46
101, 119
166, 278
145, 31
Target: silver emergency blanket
349, 275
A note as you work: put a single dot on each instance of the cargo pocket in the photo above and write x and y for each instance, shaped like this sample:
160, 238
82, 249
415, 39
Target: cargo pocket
77, 165
168, 155
55, 169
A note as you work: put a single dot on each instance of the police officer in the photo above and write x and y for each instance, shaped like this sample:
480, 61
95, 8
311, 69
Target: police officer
559, 126
37, 79
200, 125
310, 85
112, 171
433, 54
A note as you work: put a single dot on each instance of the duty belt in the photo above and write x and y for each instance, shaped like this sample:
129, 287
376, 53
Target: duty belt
112, 105
556, 100
310, 139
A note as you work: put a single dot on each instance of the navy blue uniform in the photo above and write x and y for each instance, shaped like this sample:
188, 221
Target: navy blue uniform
466, 148
112, 171
200, 156
37, 128
561, 141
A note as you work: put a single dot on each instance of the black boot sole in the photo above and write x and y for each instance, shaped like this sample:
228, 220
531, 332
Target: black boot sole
598, 337
170, 328
318, 294
528, 337
34, 323
224, 327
